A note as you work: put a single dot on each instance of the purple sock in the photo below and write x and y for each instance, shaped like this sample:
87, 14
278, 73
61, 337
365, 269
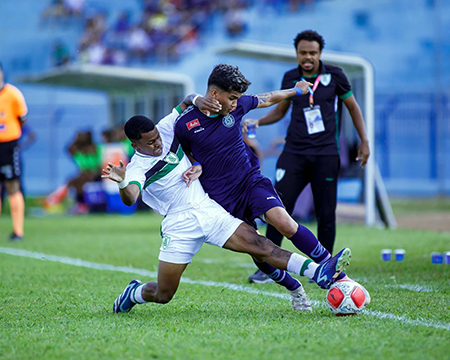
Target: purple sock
279, 276
307, 243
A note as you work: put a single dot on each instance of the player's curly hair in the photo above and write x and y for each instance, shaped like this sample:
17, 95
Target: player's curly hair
309, 35
228, 78
136, 126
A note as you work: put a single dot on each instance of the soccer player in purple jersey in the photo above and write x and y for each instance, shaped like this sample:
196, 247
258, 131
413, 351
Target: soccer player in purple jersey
191, 218
231, 172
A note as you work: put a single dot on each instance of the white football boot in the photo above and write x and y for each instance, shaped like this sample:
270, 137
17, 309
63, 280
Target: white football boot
300, 300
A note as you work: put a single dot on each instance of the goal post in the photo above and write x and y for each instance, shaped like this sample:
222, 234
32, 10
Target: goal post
355, 66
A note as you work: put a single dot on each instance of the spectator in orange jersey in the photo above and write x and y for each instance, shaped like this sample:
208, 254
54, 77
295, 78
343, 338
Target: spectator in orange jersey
13, 110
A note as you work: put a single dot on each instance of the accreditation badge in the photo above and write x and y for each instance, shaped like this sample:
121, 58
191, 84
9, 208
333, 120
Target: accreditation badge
314, 120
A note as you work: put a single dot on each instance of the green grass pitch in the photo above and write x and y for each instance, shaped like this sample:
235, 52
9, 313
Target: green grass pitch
53, 306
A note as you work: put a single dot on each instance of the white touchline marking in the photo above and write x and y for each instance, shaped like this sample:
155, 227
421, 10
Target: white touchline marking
417, 288
131, 270
405, 320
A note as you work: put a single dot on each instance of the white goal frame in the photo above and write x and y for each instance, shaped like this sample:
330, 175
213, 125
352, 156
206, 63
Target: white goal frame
352, 65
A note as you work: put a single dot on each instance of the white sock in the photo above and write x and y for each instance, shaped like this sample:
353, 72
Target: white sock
311, 269
137, 296
300, 265
297, 264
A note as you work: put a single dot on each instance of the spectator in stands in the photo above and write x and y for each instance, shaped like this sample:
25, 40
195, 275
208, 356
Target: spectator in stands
60, 55
235, 18
63, 10
94, 30
112, 150
75, 8
311, 153
55, 11
123, 23
13, 111
113, 56
139, 43
97, 52
120, 136
82, 53
87, 157
165, 31
296, 5
117, 35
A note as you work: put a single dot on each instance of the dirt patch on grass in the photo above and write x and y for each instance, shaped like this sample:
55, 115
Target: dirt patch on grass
434, 221
439, 221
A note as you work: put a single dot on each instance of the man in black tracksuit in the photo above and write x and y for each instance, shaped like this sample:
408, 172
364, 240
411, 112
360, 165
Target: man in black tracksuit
311, 153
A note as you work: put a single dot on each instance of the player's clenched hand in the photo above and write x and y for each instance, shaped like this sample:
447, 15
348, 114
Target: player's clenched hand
208, 105
304, 85
191, 174
114, 172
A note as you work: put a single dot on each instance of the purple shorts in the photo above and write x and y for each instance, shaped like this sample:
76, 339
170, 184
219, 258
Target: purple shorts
259, 197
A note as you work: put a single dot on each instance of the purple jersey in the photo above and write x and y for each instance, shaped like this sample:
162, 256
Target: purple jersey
231, 170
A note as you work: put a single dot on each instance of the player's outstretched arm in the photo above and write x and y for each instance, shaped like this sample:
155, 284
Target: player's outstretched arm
128, 192
273, 116
274, 97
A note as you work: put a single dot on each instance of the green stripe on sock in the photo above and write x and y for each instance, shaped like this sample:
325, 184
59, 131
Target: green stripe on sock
305, 266
133, 292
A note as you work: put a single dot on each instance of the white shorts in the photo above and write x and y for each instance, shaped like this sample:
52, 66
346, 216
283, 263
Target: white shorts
184, 231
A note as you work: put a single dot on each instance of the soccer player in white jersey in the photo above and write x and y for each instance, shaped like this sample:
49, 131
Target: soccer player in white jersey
191, 218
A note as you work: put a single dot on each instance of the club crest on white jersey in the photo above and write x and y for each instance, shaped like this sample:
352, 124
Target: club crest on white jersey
171, 158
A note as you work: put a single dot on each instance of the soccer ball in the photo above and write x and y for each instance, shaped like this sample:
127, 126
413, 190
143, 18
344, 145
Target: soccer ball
347, 297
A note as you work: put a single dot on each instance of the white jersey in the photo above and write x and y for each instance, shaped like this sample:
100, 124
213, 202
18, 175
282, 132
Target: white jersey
159, 178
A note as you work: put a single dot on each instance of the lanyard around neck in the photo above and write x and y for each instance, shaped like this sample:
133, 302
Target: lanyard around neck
311, 91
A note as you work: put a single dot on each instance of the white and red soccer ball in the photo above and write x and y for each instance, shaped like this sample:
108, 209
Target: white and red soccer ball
347, 297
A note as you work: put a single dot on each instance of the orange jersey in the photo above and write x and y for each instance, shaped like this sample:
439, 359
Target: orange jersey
12, 107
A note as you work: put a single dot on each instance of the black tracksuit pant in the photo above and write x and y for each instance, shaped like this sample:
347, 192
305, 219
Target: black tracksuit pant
322, 172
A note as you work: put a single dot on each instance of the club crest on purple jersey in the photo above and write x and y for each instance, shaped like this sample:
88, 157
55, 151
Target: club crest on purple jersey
228, 121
